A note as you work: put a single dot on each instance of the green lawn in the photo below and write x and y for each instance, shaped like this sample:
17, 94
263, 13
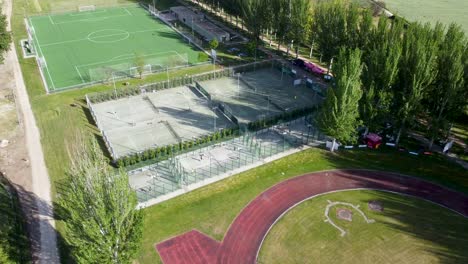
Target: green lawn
447, 11
212, 208
14, 243
409, 230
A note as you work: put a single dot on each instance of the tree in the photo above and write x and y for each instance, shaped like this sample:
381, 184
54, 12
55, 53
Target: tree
99, 210
444, 97
5, 36
3, 256
330, 27
214, 44
381, 59
281, 24
300, 10
417, 72
256, 15
339, 115
140, 64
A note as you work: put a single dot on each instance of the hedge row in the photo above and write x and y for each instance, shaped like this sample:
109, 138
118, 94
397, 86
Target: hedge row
287, 116
169, 150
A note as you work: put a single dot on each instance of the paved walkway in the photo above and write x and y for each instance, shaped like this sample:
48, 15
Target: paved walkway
44, 244
245, 235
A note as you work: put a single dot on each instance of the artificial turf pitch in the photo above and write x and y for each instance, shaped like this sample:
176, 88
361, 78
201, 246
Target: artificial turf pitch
78, 47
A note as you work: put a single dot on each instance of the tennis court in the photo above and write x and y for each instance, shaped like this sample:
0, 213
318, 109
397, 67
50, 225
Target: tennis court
281, 89
156, 119
81, 48
240, 99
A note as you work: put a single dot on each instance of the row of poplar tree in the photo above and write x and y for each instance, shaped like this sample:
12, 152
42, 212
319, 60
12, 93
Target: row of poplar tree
387, 70
391, 71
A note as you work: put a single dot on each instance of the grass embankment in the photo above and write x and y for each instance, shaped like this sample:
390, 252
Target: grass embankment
409, 230
14, 243
212, 209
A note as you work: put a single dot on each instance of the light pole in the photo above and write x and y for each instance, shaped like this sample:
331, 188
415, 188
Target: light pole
214, 118
238, 86
193, 35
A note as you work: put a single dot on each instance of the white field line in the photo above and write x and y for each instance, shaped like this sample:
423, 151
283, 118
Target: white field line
122, 58
128, 12
90, 19
87, 13
97, 37
81, 77
51, 20
47, 68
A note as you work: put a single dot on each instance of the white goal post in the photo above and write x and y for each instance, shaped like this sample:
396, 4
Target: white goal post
153, 10
87, 8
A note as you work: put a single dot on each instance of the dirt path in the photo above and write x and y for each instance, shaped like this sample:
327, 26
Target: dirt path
244, 238
34, 192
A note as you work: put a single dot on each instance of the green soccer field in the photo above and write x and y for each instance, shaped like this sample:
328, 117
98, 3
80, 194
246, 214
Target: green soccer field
82, 48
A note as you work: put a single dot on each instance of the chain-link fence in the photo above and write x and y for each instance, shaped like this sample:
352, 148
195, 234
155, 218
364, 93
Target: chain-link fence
203, 165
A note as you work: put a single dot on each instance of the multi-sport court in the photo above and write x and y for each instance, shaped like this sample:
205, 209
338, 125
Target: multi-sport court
166, 117
80, 48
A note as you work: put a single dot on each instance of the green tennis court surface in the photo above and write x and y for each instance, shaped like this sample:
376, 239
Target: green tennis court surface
82, 48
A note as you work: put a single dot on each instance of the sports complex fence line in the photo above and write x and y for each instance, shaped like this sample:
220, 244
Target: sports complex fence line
115, 94
109, 95
173, 177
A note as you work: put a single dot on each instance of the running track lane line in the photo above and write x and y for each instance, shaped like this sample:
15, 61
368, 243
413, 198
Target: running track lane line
245, 235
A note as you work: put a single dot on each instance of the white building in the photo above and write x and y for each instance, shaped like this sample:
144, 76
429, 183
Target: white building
197, 21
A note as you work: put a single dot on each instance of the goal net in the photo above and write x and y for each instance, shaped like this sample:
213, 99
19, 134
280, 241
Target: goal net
153, 10
127, 67
86, 8
42, 62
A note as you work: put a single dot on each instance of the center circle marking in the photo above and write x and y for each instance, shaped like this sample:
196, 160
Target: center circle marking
108, 36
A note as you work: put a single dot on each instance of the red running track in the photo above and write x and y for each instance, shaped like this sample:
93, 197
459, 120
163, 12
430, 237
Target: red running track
245, 235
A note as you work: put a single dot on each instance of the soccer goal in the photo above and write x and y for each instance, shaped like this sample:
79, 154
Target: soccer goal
153, 10
87, 8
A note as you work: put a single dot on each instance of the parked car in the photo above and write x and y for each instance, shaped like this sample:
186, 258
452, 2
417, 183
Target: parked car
299, 63
312, 68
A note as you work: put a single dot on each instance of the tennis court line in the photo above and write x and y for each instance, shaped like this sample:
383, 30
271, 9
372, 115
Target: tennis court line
97, 37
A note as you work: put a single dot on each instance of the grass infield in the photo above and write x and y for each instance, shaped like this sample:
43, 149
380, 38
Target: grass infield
409, 230
85, 47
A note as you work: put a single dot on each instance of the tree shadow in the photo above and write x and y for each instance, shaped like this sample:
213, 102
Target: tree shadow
97, 136
34, 219
440, 232
435, 168
13, 227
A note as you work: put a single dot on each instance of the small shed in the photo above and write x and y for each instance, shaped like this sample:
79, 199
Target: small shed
373, 140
